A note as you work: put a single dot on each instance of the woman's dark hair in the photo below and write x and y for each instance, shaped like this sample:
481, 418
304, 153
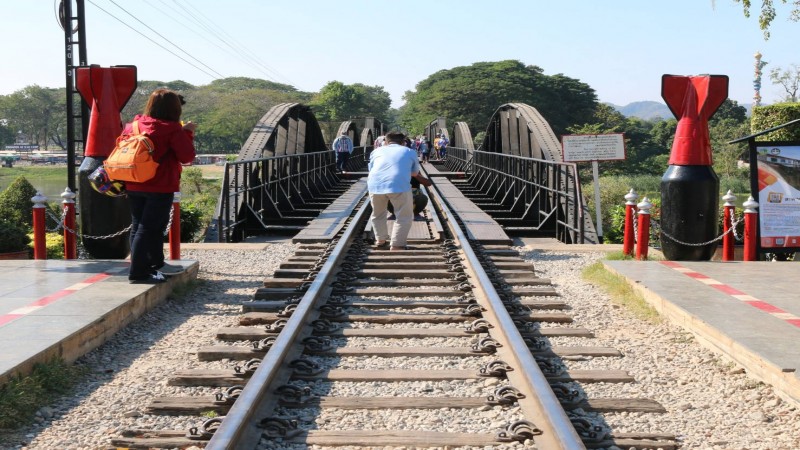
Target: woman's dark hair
165, 105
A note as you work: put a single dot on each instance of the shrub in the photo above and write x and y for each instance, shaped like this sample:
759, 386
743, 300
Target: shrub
55, 245
13, 237
191, 221
15, 202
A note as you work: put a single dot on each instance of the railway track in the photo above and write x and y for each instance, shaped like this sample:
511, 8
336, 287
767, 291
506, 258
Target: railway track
345, 342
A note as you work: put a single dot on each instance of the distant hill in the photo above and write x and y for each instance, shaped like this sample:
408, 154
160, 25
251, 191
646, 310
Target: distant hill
648, 110
644, 110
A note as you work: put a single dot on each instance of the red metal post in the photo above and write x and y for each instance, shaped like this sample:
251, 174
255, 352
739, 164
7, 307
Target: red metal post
39, 241
70, 245
643, 238
750, 223
175, 228
728, 240
627, 237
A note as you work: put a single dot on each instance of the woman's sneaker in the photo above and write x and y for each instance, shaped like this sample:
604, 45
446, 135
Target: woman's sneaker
153, 278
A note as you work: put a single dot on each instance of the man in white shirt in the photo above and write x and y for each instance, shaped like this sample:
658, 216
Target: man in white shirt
390, 169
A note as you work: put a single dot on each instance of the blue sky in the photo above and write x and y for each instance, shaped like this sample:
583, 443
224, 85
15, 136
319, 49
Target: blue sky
619, 47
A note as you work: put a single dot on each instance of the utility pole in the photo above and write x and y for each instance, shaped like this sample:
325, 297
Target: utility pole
72, 25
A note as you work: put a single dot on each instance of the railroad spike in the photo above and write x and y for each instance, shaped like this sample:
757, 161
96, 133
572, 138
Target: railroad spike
519, 431
505, 396
205, 431
497, 369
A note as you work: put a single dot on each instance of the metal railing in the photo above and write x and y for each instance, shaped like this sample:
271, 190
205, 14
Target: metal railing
533, 194
279, 192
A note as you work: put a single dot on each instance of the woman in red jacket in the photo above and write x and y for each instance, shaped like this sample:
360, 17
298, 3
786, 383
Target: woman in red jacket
151, 201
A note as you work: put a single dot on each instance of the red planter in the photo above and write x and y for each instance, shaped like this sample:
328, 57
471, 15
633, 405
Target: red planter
24, 254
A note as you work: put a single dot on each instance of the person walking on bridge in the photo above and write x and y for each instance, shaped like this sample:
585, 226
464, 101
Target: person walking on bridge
390, 169
343, 146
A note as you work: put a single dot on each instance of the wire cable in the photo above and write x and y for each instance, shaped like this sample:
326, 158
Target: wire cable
211, 28
194, 29
151, 40
163, 37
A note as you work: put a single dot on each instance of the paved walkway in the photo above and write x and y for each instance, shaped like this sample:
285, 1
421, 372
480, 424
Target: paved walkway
59, 308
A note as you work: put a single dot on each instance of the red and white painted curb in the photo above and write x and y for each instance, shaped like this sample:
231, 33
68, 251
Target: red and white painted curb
735, 293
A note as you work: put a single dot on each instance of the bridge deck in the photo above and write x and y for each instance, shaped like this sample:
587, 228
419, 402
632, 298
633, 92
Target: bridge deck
480, 226
330, 221
433, 170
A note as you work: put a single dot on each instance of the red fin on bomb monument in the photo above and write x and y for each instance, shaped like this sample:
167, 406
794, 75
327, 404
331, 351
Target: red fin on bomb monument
693, 100
106, 90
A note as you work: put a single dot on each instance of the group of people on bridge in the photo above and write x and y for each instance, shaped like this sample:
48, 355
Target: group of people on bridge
424, 147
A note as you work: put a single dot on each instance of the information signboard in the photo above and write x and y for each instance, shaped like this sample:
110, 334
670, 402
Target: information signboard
593, 147
776, 180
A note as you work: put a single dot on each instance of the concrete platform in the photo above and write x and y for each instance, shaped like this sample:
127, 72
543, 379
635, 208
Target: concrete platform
60, 308
748, 311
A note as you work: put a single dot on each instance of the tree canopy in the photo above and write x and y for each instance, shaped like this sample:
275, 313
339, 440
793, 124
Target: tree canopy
337, 101
769, 13
472, 94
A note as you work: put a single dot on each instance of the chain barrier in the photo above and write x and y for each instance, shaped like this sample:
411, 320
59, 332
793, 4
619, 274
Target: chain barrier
58, 220
61, 223
656, 228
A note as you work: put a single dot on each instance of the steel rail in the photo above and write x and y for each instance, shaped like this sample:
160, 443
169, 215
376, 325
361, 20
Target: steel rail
240, 422
550, 411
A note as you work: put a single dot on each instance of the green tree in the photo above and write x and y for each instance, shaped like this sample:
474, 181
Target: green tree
768, 13
337, 101
789, 79
473, 93
730, 109
35, 111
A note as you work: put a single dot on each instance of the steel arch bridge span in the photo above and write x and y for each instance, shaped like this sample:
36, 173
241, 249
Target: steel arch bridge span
518, 129
259, 188
286, 129
361, 131
462, 137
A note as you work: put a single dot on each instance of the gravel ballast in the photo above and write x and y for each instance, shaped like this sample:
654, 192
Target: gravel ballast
711, 403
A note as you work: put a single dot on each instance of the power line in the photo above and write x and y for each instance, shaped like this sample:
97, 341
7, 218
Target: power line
209, 32
151, 40
241, 50
163, 37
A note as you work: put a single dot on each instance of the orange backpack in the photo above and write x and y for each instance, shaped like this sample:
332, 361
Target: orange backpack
132, 158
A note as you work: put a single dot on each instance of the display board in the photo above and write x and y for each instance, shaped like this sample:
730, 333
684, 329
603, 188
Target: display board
775, 182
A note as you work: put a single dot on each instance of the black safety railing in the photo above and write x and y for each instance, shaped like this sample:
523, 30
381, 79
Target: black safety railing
278, 193
524, 194
459, 159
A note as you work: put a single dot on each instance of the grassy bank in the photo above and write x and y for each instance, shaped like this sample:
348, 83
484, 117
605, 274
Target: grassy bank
619, 290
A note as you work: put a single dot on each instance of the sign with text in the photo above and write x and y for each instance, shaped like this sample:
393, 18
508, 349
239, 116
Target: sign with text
22, 147
593, 147
777, 178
